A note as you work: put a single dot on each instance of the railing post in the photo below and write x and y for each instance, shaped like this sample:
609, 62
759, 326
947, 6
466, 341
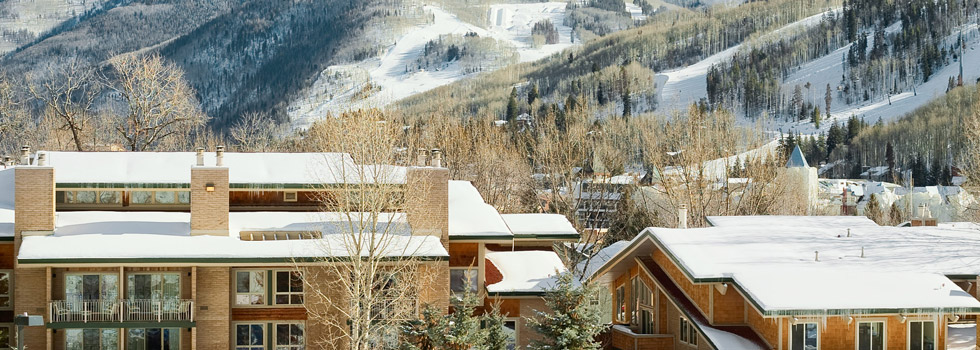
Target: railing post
160, 312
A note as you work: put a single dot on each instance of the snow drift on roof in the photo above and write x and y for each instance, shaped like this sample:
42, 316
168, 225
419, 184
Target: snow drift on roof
843, 222
525, 271
144, 246
470, 216
591, 266
539, 225
243, 168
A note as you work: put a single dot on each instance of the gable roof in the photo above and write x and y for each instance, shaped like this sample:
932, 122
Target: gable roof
470, 217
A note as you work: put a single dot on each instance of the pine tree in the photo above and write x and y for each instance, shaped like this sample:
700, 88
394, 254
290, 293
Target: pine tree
873, 210
533, 94
828, 98
890, 161
895, 215
493, 325
512, 106
460, 330
815, 117
627, 104
575, 319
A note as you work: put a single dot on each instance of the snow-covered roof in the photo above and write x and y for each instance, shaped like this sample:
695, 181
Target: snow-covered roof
243, 168
109, 248
540, 225
525, 271
472, 218
843, 222
874, 270
796, 159
901, 268
592, 265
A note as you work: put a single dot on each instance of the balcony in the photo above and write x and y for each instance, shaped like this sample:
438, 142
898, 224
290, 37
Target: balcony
169, 311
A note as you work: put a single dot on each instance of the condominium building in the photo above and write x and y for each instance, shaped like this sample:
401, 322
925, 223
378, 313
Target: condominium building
191, 251
770, 282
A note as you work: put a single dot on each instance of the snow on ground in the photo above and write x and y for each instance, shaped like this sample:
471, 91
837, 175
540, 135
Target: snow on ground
38, 16
342, 87
636, 13
961, 336
681, 87
829, 69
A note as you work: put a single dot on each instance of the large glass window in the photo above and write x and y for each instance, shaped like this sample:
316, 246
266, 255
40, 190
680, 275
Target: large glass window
642, 303
688, 334
871, 335
92, 339
290, 336
80, 287
6, 335
250, 288
153, 339
922, 335
510, 330
804, 337
155, 286
621, 303
463, 279
289, 288
250, 336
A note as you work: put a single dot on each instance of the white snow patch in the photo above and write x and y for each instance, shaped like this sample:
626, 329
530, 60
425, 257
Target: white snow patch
539, 224
841, 222
525, 271
470, 216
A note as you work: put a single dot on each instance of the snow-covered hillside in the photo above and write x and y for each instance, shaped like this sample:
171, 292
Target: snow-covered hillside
36, 17
681, 87
379, 81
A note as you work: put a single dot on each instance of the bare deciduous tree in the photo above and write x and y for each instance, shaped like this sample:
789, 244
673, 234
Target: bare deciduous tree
256, 132
160, 106
68, 95
361, 302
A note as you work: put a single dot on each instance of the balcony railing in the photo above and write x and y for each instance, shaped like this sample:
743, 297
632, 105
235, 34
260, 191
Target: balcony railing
125, 310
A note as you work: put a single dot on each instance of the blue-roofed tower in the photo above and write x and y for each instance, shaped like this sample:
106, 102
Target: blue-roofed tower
796, 159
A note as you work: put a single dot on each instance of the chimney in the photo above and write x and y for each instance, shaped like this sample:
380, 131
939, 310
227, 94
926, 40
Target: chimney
423, 154
25, 155
42, 159
209, 197
34, 196
220, 156
436, 158
427, 198
682, 216
924, 217
200, 156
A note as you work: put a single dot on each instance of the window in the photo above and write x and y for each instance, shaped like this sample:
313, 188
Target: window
688, 334
154, 286
510, 330
642, 303
89, 197
250, 288
621, 303
805, 337
153, 339
92, 339
289, 196
160, 197
463, 279
250, 336
633, 293
289, 288
5, 289
922, 335
290, 336
6, 334
80, 287
871, 336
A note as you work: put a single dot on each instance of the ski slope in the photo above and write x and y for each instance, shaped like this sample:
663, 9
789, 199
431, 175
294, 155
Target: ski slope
342, 87
829, 69
38, 16
681, 87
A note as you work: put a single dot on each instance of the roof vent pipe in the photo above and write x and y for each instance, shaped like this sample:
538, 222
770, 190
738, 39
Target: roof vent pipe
436, 158
682, 216
25, 155
7, 162
42, 159
423, 154
220, 156
816, 255
862, 251
200, 156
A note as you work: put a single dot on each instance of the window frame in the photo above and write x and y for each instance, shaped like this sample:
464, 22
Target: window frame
170, 330
100, 330
275, 290
642, 305
180, 284
119, 283
686, 329
804, 323
884, 332
10, 335
517, 330
620, 301
908, 331
267, 279
475, 278
275, 335
265, 335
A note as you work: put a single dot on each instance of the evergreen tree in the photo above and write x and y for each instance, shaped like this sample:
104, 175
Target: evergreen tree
512, 106
493, 325
627, 104
828, 98
601, 94
920, 173
890, 161
460, 330
835, 138
815, 117
873, 210
935, 173
895, 215
575, 319
533, 94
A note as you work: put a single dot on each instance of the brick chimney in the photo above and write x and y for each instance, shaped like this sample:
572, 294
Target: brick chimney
209, 197
427, 197
34, 201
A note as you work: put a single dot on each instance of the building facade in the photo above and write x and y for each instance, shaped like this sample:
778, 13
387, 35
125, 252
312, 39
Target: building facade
192, 251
